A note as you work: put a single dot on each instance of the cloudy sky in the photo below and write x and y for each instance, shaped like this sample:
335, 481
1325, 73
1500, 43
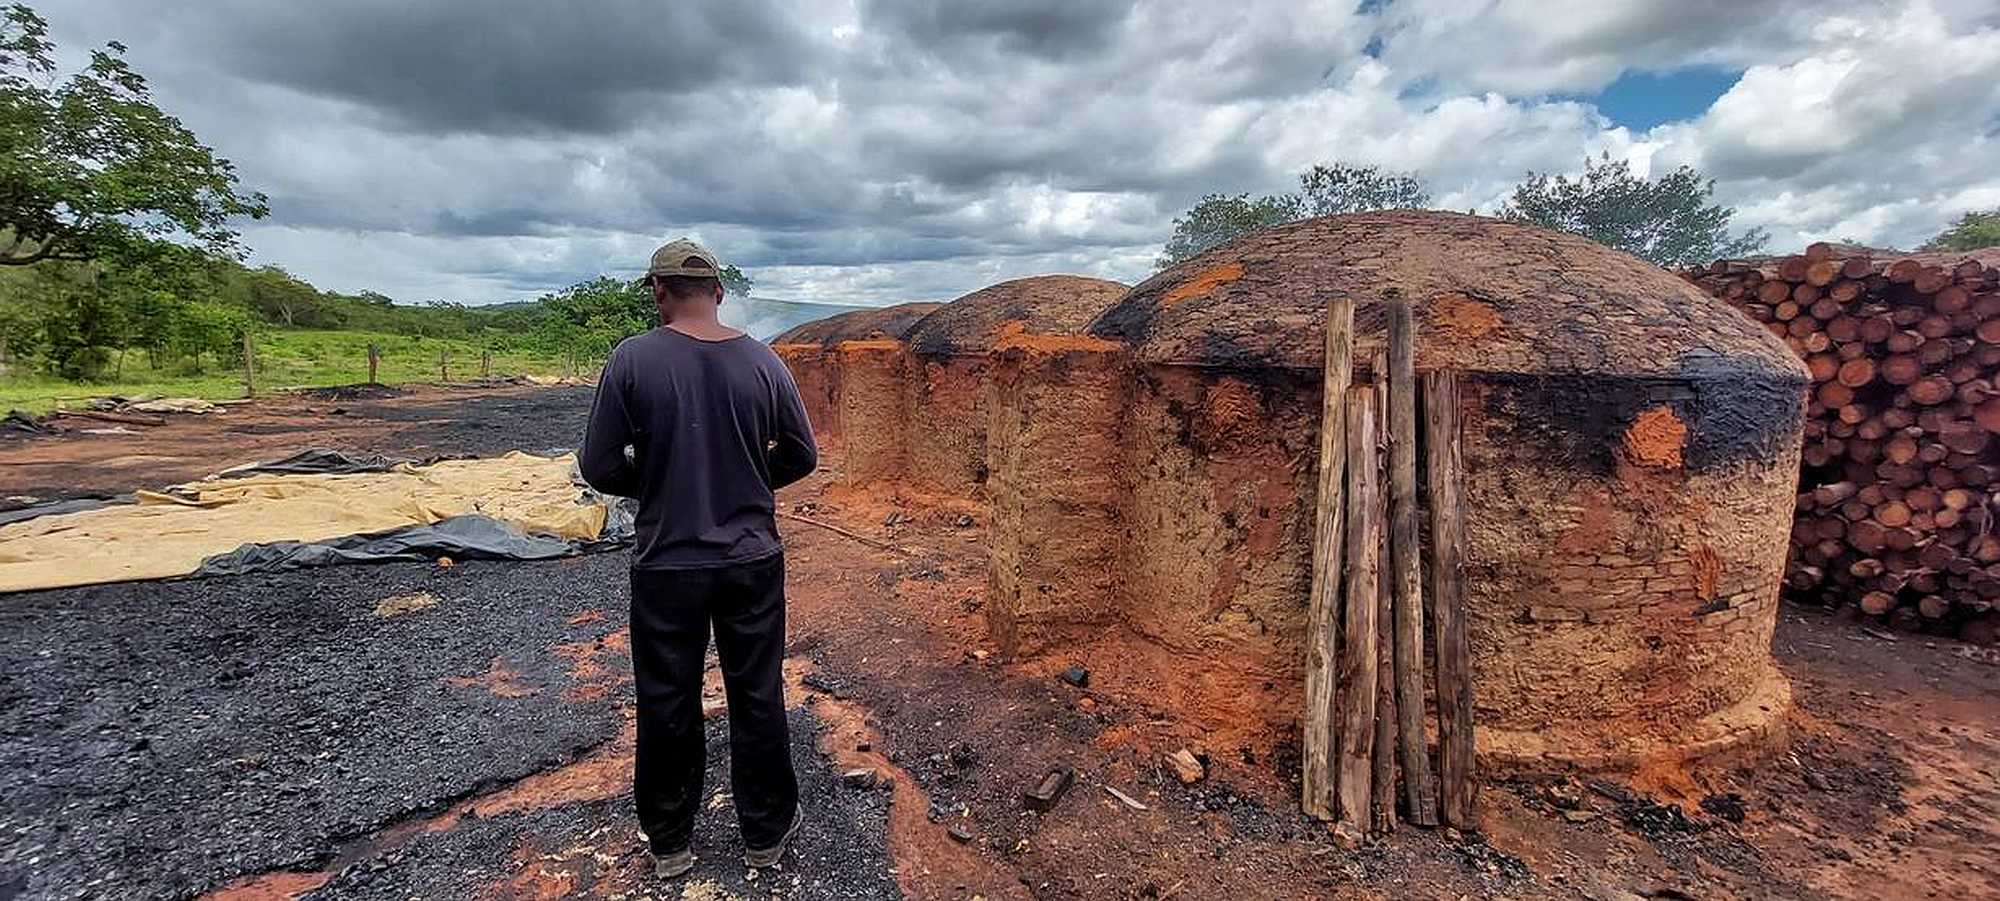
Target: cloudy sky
874, 151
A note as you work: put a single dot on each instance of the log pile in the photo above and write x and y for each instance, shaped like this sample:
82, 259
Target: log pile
1896, 515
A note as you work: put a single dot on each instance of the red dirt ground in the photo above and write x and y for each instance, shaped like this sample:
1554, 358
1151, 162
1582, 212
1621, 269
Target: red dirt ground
1889, 786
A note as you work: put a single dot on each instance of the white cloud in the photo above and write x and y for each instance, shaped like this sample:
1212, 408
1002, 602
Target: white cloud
1883, 131
878, 151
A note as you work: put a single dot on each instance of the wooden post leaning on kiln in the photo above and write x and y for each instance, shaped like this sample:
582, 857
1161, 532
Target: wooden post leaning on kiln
1453, 655
1317, 793
1383, 820
1359, 666
1406, 562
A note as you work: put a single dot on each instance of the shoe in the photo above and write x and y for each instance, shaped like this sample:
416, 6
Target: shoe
760, 858
673, 866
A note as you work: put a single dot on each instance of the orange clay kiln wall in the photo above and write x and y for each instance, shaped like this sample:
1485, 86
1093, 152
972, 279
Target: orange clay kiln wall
1616, 613
1218, 559
1057, 496
870, 410
1624, 612
947, 423
815, 371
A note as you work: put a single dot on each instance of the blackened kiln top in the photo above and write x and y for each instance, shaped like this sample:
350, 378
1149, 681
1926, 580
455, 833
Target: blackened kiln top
1490, 296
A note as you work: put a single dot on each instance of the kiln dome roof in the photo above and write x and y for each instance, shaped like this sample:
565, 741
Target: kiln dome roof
857, 325
1489, 295
1041, 305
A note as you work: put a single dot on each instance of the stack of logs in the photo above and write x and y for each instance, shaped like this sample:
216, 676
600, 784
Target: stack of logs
1896, 512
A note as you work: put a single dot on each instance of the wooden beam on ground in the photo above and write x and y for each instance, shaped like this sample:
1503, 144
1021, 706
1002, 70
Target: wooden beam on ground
1406, 564
1457, 787
120, 418
1323, 612
1358, 662
857, 536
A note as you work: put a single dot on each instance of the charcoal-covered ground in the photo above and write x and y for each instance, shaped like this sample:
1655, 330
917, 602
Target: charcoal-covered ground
593, 848
164, 737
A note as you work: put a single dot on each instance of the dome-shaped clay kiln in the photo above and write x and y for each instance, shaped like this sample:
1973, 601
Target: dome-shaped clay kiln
808, 349
1630, 448
857, 325
946, 379
1040, 305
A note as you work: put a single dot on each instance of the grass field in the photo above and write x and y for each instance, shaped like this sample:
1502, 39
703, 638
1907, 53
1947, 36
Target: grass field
285, 359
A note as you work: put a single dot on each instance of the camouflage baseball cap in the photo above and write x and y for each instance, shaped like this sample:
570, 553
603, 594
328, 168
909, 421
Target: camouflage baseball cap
684, 257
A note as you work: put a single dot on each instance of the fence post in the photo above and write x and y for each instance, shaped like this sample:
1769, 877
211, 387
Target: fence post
485, 364
374, 357
444, 371
249, 365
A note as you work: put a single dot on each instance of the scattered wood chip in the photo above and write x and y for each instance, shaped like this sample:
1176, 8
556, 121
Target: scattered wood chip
397, 605
1126, 799
1187, 767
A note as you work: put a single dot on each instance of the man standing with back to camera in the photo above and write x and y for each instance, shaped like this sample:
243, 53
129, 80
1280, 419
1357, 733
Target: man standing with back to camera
714, 425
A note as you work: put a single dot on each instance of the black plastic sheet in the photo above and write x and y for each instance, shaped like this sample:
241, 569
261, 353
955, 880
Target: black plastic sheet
471, 537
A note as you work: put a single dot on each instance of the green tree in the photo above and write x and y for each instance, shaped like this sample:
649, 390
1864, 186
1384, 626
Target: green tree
78, 324
1327, 189
1973, 231
735, 282
1668, 220
1324, 190
209, 328
280, 298
150, 317
89, 165
1217, 218
585, 320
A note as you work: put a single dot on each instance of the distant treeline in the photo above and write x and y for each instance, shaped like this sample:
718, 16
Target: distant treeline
187, 308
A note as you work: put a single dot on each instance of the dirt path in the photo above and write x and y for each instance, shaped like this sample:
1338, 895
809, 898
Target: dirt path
176, 738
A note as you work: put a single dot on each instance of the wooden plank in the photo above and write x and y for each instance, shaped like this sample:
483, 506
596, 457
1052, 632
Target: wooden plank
1384, 756
1457, 787
1323, 611
120, 418
1358, 664
1419, 803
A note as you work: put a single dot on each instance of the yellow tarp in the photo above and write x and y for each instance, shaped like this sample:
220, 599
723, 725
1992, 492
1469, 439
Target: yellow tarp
167, 535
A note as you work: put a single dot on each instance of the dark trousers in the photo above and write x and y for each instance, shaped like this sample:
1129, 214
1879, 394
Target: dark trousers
672, 612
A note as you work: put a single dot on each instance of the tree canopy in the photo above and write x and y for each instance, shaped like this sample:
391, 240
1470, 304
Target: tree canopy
90, 167
585, 320
1667, 220
1324, 190
1972, 231
1340, 188
1217, 218
735, 282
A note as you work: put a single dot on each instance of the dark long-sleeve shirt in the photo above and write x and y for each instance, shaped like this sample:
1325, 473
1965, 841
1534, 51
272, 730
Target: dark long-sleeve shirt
715, 427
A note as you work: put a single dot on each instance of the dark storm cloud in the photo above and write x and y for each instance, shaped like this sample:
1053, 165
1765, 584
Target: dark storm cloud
919, 148
510, 66
1044, 29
